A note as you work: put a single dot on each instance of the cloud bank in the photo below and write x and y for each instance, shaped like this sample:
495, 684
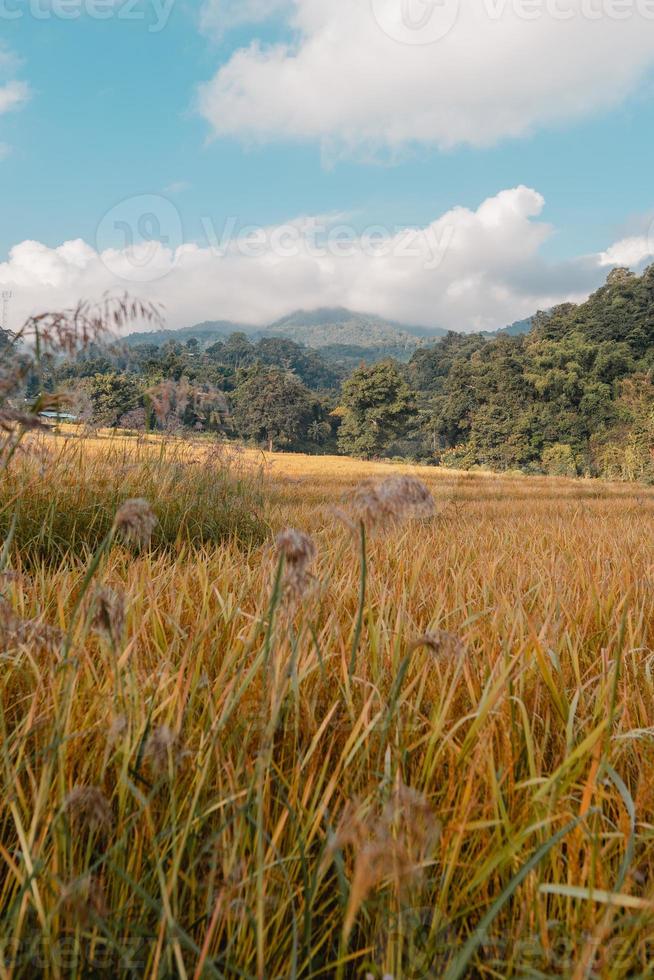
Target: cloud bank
358, 78
466, 270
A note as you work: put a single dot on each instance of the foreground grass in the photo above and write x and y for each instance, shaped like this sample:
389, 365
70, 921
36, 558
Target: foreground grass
66, 491
328, 786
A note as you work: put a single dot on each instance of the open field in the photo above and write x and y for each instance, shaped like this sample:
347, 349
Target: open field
435, 762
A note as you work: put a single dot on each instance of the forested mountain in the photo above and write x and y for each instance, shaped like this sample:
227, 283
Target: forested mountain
345, 336
341, 335
343, 328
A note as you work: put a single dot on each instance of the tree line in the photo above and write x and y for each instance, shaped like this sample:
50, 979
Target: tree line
573, 396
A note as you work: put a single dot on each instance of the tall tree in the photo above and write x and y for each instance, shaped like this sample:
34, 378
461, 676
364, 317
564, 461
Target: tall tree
378, 404
112, 396
273, 407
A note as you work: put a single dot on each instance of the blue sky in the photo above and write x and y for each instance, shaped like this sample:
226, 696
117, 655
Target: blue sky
117, 110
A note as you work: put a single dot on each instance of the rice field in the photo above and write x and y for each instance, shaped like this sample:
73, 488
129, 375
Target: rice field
418, 746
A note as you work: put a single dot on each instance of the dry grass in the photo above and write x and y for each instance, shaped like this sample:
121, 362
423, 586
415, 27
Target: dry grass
452, 778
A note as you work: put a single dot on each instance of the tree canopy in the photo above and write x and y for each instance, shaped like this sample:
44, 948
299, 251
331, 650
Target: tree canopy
377, 404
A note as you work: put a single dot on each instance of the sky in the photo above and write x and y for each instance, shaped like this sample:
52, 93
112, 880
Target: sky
452, 163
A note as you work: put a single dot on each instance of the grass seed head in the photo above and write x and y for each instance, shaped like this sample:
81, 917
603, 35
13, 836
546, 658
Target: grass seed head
135, 521
10, 577
43, 636
393, 500
162, 746
408, 815
87, 806
389, 846
443, 645
299, 553
27, 632
117, 729
11, 417
109, 614
85, 900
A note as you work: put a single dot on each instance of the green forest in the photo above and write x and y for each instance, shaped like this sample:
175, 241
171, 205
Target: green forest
572, 396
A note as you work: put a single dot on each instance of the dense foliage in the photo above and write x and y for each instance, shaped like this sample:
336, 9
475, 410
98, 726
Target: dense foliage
273, 392
377, 405
572, 396
272, 406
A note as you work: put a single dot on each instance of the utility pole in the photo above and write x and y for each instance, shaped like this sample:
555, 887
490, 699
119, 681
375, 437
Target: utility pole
5, 296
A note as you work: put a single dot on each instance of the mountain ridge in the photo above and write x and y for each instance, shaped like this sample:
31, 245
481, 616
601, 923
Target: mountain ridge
319, 328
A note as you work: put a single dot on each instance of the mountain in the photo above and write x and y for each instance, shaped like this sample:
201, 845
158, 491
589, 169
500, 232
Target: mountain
341, 334
339, 327
347, 334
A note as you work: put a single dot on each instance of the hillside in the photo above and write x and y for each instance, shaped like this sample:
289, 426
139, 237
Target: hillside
343, 336
573, 395
341, 327
351, 335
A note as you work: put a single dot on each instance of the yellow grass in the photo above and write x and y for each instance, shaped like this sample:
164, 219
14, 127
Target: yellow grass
279, 838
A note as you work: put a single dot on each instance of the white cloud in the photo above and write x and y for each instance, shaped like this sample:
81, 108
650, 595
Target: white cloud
505, 67
630, 251
468, 269
13, 95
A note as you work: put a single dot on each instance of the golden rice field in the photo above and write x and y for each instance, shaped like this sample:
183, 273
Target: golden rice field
434, 762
